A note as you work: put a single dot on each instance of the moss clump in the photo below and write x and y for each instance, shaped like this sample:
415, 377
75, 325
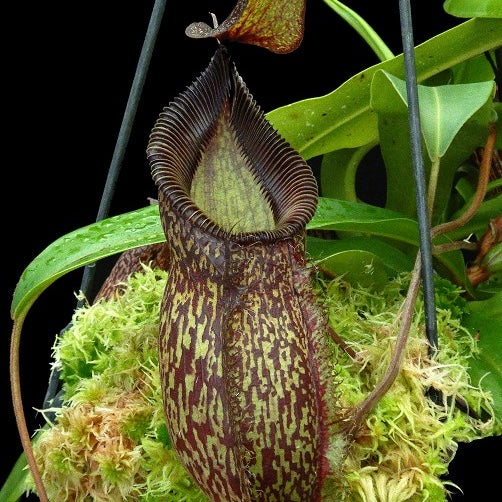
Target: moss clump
110, 441
411, 436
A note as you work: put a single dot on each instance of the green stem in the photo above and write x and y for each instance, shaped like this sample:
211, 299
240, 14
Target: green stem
339, 170
369, 35
433, 183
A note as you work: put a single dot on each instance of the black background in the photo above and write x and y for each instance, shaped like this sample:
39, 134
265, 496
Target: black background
69, 70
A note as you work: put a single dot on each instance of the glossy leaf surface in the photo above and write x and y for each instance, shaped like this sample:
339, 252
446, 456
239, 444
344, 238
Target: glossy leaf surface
474, 8
363, 28
477, 69
358, 267
394, 261
339, 170
141, 227
454, 121
489, 209
443, 109
368, 220
83, 246
273, 24
344, 119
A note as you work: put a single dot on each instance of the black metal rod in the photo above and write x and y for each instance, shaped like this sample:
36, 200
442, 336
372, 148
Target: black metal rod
126, 127
419, 173
145, 57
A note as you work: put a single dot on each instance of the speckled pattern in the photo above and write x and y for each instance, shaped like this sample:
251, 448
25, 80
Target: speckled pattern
239, 387
240, 330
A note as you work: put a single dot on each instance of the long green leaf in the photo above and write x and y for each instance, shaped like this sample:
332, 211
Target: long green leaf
490, 308
489, 209
454, 122
477, 69
344, 119
83, 246
369, 35
339, 170
369, 220
444, 109
474, 8
15, 485
394, 261
358, 267
141, 227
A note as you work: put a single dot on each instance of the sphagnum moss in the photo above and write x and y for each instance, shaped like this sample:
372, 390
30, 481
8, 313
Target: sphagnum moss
110, 442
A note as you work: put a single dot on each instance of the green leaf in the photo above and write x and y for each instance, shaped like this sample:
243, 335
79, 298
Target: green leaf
83, 246
465, 189
497, 106
357, 267
369, 35
493, 185
15, 484
474, 8
490, 308
454, 122
478, 224
339, 170
493, 259
141, 227
474, 70
369, 220
443, 109
344, 119
394, 261
486, 368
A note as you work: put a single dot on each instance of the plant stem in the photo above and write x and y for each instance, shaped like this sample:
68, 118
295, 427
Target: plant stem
407, 310
454, 246
433, 183
17, 403
397, 355
479, 195
341, 342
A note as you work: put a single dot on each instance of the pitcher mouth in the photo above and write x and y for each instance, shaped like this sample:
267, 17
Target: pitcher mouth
188, 125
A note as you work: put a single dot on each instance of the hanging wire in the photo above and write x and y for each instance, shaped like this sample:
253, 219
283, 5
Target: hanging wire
125, 129
86, 285
424, 229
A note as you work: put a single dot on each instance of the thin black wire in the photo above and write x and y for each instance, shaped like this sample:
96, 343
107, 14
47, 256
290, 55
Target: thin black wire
125, 129
419, 174
52, 399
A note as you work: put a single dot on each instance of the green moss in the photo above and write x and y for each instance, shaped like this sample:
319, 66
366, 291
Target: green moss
110, 441
408, 440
